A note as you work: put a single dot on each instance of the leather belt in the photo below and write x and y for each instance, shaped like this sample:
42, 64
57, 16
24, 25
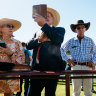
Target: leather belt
81, 63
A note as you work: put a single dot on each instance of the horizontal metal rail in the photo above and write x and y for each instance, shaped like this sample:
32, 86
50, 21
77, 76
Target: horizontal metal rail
49, 75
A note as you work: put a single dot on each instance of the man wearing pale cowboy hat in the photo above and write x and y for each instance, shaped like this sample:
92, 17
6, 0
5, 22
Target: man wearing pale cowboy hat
83, 54
46, 52
11, 52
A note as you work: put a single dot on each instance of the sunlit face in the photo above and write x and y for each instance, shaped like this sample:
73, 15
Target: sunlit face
49, 18
7, 29
80, 29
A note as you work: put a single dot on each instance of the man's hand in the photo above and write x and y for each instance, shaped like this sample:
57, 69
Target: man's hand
71, 62
43, 38
40, 20
90, 64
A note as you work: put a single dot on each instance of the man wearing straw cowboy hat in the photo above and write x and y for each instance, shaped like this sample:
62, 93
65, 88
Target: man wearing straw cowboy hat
83, 53
46, 52
11, 53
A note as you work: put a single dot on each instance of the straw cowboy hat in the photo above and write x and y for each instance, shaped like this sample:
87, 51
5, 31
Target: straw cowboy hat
15, 23
80, 22
55, 15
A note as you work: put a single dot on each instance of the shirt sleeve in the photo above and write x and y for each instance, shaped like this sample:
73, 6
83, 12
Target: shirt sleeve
94, 53
55, 34
32, 43
29, 53
64, 49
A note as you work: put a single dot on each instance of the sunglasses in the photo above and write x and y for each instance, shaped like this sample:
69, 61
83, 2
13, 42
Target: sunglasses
82, 27
10, 26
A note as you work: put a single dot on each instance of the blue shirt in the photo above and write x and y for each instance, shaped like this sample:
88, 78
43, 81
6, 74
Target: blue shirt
28, 51
84, 52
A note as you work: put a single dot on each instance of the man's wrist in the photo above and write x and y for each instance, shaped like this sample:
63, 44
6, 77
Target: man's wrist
68, 60
93, 62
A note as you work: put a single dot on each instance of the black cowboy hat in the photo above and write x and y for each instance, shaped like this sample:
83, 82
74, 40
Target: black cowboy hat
80, 22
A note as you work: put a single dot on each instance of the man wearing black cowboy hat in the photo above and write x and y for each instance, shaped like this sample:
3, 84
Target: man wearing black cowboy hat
83, 56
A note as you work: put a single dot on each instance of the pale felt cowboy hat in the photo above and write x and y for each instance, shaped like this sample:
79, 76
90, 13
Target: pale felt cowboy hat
55, 15
15, 23
80, 22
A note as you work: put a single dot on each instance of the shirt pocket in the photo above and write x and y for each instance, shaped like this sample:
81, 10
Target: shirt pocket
88, 49
74, 49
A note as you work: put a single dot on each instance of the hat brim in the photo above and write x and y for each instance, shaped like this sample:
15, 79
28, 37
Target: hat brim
15, 23
55, 15
73, 26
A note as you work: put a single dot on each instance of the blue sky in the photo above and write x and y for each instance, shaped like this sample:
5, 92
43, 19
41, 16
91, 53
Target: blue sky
70, 11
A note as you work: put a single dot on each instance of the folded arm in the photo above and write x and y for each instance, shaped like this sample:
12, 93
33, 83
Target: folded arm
55, 34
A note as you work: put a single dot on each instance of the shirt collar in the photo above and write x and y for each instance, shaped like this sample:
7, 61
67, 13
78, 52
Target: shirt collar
75, 38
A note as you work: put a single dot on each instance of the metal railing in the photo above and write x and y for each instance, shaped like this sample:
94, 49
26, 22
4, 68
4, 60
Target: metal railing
50, 75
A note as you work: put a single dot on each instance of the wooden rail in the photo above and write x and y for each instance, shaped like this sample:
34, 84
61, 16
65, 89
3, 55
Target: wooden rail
50, 75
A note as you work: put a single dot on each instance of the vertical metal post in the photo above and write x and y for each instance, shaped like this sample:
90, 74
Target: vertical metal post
67, 85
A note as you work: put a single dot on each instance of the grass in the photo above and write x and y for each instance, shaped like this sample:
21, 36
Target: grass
62, 92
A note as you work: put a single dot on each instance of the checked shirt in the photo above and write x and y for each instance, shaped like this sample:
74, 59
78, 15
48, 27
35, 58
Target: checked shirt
84, 52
